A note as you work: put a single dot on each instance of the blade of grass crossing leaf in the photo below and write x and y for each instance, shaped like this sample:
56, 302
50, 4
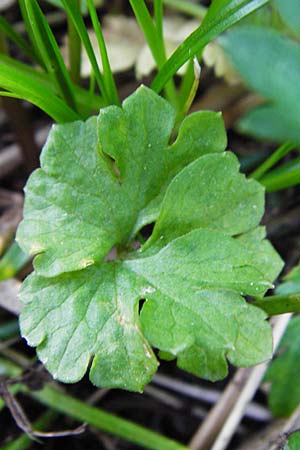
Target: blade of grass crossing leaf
74, 12
104, 421
22, 85
50, 53
154, 41
17, 39
221, 15
107, 72
272, 160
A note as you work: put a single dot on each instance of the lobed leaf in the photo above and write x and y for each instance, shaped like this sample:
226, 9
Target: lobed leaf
102, 180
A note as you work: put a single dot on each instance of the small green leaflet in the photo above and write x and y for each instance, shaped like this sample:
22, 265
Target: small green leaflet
253, 50
290, 13
100, 182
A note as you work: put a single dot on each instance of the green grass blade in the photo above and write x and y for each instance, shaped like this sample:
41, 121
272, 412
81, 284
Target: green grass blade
50, 52
88, 102
104, 421
155, 43
158, 16
220, 16
107, 72
285, 176
74, 13
272, 160
12, 261
147, 25
74, 51
23, 85
18, 40
30, 34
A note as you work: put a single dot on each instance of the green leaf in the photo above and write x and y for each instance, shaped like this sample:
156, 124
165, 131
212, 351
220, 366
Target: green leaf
274, 122
284, 373
290, 13
86, 315
89, 182
253, 50
293, 442
100, 181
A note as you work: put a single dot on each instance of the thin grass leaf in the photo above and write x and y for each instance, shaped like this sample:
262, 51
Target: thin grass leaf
220, 16
50, 52
30, 33
158, 15
20, 42
285, 176
74, 51
154, 41
88, 102
276, 156
74, 13
152, 37
107, 72
104, 421
23, 85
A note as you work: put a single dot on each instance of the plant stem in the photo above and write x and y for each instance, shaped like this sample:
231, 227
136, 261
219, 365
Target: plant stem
102, 420
272, 160
74, 50
189, 90
279, 304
